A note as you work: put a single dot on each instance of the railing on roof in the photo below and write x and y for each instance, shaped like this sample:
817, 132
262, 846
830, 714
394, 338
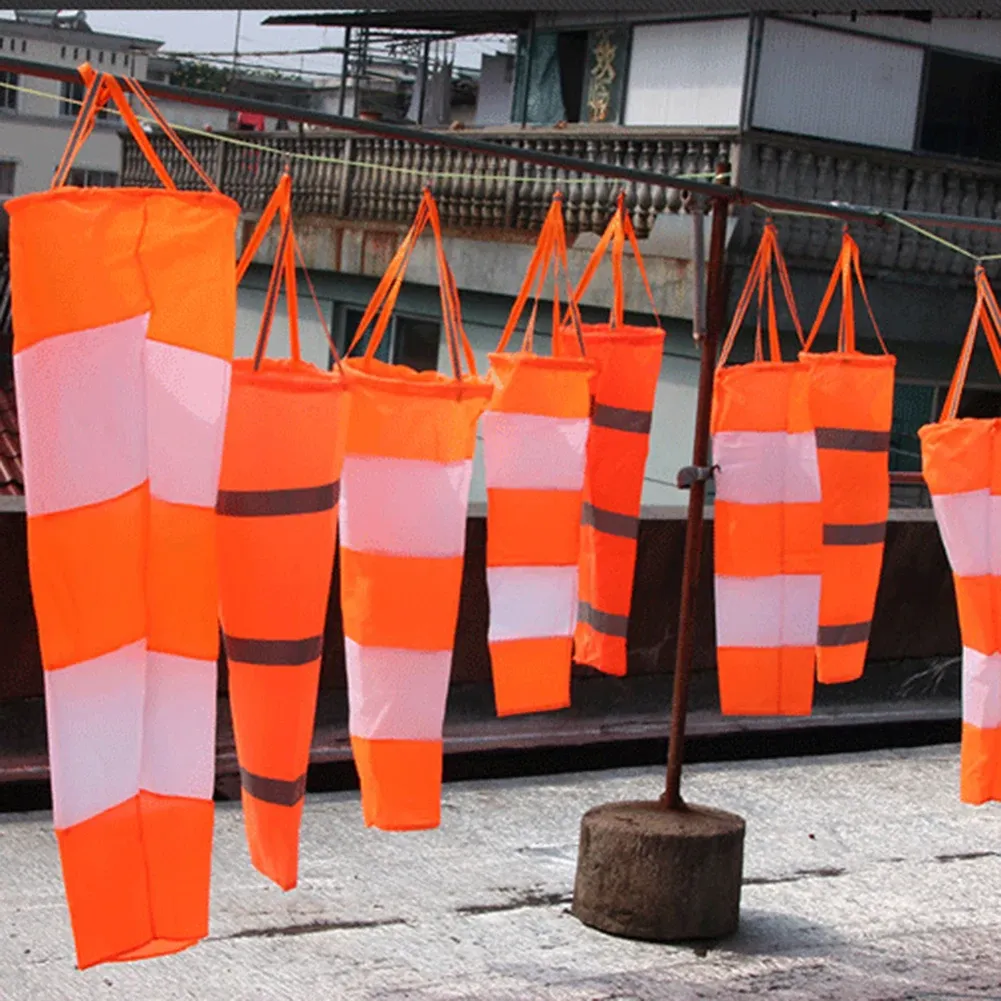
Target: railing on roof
830, 171
380, 180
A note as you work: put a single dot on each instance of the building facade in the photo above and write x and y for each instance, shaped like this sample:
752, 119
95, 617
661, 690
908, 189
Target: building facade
35, 122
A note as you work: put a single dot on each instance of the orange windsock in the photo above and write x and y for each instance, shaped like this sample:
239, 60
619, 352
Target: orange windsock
629, 361
767, 516
277, 507
535, 438
406, 479
961, 462
851, 402
122, 379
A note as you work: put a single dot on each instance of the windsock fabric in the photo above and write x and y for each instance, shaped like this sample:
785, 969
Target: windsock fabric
277, 507
406, 478
629, 360
122, 381
767, 518
535, 436
961, 462
851, 401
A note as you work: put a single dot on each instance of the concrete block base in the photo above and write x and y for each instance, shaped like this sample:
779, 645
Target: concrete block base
665, 876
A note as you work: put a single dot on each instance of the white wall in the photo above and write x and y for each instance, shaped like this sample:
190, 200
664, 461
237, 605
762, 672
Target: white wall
687, 73
36, 146
970, 35
496, 91
816, 82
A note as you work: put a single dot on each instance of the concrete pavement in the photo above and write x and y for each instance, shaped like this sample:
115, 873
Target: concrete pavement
865, 879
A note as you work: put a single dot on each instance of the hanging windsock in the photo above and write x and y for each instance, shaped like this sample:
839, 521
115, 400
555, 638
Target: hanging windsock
535, 439
629, 361
406, 479
767, 515
851, 403
277, 507
124, 307
960, 466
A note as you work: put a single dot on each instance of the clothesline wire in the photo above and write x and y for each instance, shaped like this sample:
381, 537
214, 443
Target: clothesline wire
444, 175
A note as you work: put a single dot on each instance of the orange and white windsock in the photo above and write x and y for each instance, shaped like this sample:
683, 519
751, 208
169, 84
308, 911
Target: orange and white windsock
535, 438
405, 493
851, 401
961, 463
629, 360
767, 515
122, 381
277, 507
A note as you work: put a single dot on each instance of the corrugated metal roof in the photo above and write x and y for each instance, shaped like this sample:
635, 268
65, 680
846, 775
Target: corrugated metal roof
615, 9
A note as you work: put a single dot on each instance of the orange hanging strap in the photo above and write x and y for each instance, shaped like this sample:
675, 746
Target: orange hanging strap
459, 345
291, 284
94, 99
987, 314
280, 198
382, 290
384, 300
168, 130
540, 260
760, 281
274, 290
847, 265
108, 87
619, 230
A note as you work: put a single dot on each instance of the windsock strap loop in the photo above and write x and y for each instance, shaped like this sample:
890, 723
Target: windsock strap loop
617, 233
987, 314
759, 280
550, 249
100, 88
846, 266
383, 302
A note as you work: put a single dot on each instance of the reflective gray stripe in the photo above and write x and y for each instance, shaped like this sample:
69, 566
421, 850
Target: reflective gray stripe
854, 535
276, 653
622, 419
281, 792
603, 622
609, 522
265, 503
847, 440
856, 632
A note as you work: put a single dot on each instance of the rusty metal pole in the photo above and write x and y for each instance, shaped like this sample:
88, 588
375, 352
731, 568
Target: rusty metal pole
715, 317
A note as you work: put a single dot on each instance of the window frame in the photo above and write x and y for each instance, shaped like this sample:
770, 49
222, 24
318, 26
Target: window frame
344, 310
12, 164
7, 95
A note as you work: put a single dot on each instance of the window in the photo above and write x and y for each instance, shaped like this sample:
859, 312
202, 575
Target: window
8, 97
913, 407
114, 58
83, 177
408, 340
8, 170
24, 46
76, 53
100, 57
961, 107
72, 97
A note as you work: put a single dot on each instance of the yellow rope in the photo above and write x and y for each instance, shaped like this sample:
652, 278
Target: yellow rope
928, 234
337, 160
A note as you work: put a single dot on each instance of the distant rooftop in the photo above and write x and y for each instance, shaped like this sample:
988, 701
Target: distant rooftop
62, 26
